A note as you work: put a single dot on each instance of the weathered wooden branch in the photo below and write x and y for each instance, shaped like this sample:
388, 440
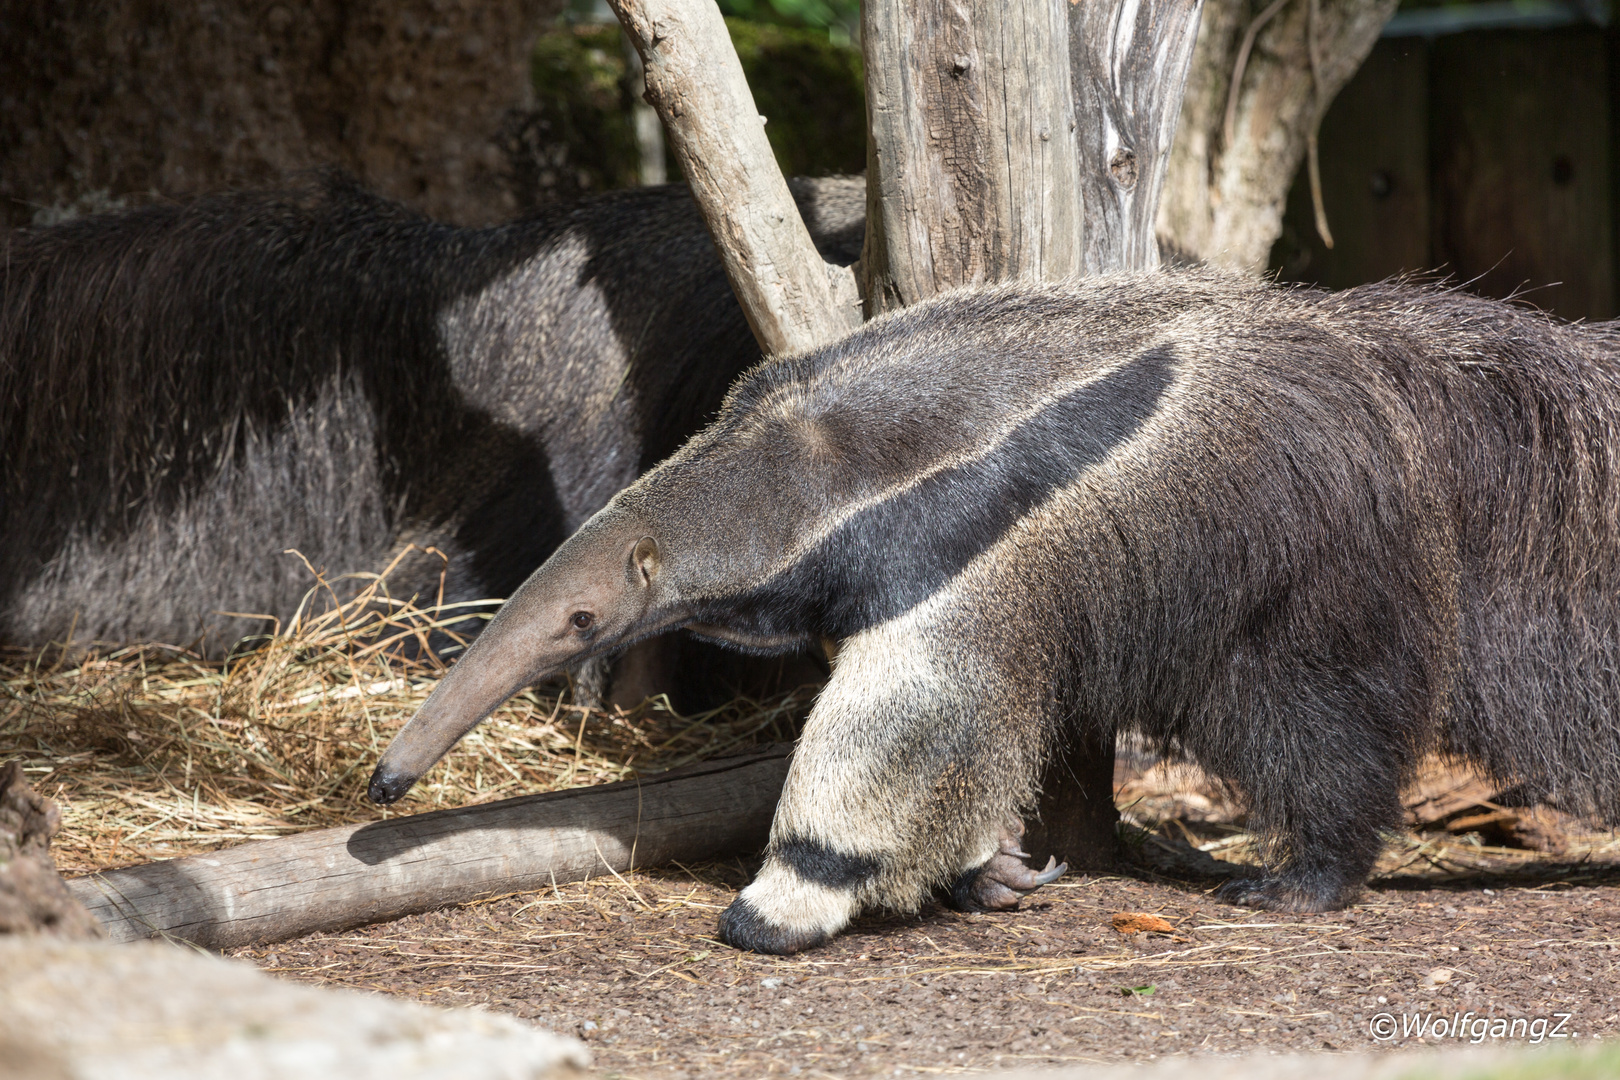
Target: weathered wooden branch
793, 300
1128, 63
331, 879
972, 159
1223, 201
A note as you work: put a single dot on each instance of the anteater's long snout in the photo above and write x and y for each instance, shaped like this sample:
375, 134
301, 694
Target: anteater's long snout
590, 597
496, 667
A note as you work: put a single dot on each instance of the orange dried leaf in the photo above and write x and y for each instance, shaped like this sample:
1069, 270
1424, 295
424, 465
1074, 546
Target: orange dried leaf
1139, 922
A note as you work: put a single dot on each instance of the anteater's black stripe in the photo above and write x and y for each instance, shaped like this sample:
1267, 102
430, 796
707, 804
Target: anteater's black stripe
815, 861
892, 556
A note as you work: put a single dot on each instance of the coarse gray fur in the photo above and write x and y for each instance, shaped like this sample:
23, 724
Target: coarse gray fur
189, 390
1300, 537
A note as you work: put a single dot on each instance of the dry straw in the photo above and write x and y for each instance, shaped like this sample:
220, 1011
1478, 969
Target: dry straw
153, 751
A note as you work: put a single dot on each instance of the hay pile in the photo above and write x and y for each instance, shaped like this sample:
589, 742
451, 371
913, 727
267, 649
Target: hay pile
152, 751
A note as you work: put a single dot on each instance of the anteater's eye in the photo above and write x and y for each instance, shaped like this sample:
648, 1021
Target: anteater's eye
582, 620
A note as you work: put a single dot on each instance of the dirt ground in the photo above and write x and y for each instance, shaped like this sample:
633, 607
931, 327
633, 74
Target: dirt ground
1483, 906
1451, 933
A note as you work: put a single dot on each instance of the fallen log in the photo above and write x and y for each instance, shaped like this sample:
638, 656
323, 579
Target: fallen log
334, 879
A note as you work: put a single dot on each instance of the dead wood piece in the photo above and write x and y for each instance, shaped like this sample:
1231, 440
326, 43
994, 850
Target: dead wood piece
33, 897
972, 161
1478, 822
793, 300
1534, 829
332, 879
1444, 792
1129, 64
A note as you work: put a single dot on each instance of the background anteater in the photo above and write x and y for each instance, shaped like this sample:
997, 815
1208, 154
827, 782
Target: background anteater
188, 390
1299, 537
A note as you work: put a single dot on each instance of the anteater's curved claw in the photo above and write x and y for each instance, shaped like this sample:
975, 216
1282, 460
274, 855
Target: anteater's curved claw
1004, 879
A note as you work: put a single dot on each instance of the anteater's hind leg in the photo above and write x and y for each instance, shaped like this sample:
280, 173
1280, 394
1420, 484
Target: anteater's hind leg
912, 763
1321, 761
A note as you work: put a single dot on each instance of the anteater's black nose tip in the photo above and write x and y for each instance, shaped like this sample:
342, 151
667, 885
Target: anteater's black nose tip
387, 787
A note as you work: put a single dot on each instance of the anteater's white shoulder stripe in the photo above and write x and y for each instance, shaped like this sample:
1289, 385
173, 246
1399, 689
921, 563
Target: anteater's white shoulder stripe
809, 541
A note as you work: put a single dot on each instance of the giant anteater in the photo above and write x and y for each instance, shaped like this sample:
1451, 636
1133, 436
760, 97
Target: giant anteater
1300, 537
189, 389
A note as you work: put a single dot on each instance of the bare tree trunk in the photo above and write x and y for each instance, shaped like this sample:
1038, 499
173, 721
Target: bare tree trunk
972, 163
979, 171
1127, 66
1077, 821
1128, 63
1224, 203
1021, 140
792, 299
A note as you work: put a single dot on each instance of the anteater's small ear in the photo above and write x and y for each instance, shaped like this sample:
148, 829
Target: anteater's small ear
645, 559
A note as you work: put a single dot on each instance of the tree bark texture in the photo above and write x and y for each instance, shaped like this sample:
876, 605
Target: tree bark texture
33, 897
110, 103
792, 299
973, 163
1222, 203
1128, 63
331, 879
1021, 140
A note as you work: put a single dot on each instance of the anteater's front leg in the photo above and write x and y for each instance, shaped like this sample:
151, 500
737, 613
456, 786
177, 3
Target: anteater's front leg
912, 765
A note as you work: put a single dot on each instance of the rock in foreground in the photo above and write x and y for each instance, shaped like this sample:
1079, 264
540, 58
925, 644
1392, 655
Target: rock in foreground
33, 897
152, 1011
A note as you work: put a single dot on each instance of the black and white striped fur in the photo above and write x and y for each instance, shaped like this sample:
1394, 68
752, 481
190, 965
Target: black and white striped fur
190, 389
1299, 537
